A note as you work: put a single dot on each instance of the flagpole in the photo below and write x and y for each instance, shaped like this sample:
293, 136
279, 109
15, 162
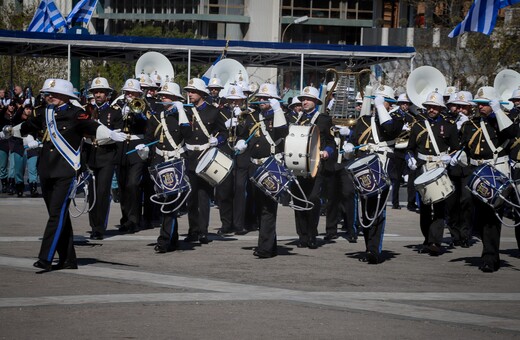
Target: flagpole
68, 62
189, 65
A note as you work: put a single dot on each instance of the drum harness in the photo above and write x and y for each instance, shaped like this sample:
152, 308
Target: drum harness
377, 147
308, 205
168, 156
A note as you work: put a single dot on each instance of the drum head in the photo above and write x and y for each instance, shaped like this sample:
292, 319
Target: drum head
314, 151
206, 159
361, 161
429, 176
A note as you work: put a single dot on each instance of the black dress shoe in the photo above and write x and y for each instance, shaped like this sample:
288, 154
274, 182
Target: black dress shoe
203, 239
302, 244
371, 258
313, 244
191, 238
351, 239
434, 249
487, 268
396, 206
43, 265
464, 243
263, 255
224, 231
67, 265
96, 235
329, 237
241, 232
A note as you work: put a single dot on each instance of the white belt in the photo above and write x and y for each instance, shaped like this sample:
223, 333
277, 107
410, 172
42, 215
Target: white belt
260, 161
499, 160
194, 147
429, 158
168, 154
517, 165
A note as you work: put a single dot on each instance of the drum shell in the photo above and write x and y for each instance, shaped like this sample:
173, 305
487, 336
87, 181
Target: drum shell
302, 150
369, 176
214, 166
481, 186
272, 178
169, 177
434, 186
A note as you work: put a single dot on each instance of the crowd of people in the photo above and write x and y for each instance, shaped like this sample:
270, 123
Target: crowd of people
174, 152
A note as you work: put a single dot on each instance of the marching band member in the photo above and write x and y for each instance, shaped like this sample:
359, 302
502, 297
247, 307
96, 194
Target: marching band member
101, 157
431, 140
510, 126
307, 220
170, 127
208, 130
514, 153
130, 167
294, 112
231, 193
266, 127
378, 132
59, 162
214, 86
459, 220
397, 162
484, 143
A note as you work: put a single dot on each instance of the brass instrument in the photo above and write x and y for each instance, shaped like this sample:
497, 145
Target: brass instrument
346, 84
137, 105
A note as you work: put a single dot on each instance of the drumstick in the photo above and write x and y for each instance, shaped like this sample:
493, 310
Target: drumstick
149, 144
355, 148
265, 102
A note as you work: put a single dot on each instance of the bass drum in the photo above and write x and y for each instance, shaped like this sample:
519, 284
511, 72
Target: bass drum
302, 150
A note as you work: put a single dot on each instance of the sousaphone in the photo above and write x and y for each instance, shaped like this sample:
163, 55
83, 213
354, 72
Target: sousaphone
230, 71
506, 81
422, 81
152, 63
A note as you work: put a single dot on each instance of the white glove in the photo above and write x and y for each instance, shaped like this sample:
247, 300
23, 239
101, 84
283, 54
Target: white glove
33, 145
183, 119
495, 105
412, 163
275, 104
379, 100
344, 131
462, 118
8, 131
231, 122
459, 158
446, 159
117, 135
406, 127
2, 135
27, 139
348, 147
240, 146
331, 103
213, 141
236, 111
142, 151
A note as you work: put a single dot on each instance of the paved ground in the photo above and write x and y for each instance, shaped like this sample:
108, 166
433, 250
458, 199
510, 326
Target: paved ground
123, 290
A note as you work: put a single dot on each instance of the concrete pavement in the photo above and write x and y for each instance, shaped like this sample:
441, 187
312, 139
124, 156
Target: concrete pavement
122, 289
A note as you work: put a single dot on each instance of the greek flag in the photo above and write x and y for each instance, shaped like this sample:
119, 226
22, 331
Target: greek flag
82, 12
207, 76
481, 17
47, 18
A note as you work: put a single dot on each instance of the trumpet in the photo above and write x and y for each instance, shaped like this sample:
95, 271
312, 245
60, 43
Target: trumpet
137, 105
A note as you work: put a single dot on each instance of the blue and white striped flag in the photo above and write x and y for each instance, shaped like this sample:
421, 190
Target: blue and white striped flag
47, 18
207, 76
82, 12
481, 17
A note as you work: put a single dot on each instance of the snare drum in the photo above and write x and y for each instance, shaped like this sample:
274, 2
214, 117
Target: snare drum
169, 177
302, 150
490, 185
369, 176
273, 178
434, 185
214, 166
